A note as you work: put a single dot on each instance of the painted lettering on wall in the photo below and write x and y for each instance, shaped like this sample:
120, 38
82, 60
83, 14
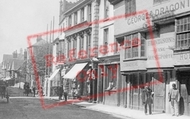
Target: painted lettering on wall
179, 5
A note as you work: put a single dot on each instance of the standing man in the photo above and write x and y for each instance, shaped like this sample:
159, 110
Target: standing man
34, 90
147, 99
66, 89
174, 98
60, 92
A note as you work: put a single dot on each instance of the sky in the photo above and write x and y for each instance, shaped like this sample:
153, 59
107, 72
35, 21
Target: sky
21, 18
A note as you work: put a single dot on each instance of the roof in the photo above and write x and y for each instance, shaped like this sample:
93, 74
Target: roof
40, 42
16, 64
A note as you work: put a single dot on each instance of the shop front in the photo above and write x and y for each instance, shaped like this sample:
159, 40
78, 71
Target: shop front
134, 75
108, 81
76, 77
182, 68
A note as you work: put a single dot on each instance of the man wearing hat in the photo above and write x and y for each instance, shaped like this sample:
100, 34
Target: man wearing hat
147, 99
174, 98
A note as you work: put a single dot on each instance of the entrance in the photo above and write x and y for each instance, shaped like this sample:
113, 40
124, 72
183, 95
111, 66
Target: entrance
184, 87
158, 87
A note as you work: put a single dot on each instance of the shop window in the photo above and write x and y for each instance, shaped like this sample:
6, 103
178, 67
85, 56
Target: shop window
130, 6
112, 77
183, 33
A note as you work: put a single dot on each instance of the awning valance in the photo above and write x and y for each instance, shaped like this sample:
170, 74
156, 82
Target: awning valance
75, 71
54, 74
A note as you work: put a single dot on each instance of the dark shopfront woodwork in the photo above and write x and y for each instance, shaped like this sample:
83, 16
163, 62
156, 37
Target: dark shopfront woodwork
138, 81
184, 86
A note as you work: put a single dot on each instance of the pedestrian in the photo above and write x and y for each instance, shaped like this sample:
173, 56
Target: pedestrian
174, 97
60, 92
147, 99
34, 90
66, 90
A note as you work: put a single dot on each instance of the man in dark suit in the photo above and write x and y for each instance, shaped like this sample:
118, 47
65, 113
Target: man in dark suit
147, 99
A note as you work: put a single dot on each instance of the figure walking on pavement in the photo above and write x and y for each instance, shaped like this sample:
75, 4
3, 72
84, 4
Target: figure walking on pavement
174, 98
147, 99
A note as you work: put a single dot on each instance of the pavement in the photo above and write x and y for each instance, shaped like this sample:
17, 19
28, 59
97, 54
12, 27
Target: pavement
130, 113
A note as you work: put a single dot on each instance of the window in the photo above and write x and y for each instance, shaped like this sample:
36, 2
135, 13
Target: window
183, 33
74, 45
155, 2
70, 21
81, 42
82, 14
88, 45
75, 18
105, 36
68, 47
106, 8
130, 6
89, 12
134, 45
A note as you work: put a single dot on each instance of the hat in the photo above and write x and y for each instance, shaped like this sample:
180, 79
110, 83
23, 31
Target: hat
174, 85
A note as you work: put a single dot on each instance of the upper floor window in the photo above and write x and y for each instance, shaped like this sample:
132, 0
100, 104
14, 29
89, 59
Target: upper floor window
183, 33
155, 2
70, 21
106, 36
88, 44
75, 18
82, 14
130, 6
134, 45
89, 12
81, 42
106, 8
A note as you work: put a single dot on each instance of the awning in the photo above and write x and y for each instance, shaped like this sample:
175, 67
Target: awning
75, 70
54, 74
7, 78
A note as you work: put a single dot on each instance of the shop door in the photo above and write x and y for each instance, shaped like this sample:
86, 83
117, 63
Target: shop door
134, 91
158, 88
184, 83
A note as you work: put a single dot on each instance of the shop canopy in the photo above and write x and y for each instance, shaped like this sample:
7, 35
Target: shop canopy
75, 71
54, 74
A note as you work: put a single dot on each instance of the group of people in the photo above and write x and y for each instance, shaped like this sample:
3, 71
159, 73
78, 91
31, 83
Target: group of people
174, 98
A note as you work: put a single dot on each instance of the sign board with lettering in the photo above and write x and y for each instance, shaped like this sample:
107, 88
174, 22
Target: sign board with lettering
162, 10
133, 65
162, 50
182, 58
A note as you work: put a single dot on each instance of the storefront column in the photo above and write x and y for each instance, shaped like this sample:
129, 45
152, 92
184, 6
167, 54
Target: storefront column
119, 87
103, 90
98, 85
168, 78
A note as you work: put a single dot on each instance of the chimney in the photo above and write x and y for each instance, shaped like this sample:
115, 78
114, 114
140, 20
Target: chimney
15, 54
25, 54
39, 38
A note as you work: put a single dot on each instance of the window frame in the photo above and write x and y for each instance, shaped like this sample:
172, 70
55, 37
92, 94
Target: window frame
82, 14
133, 46
130, 6
182, 33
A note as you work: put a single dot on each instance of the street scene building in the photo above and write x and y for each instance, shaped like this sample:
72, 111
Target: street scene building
121, 54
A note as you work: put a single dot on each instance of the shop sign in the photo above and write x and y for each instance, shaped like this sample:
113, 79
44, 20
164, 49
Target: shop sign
161, 11
160, 50
133, 65
182, 58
